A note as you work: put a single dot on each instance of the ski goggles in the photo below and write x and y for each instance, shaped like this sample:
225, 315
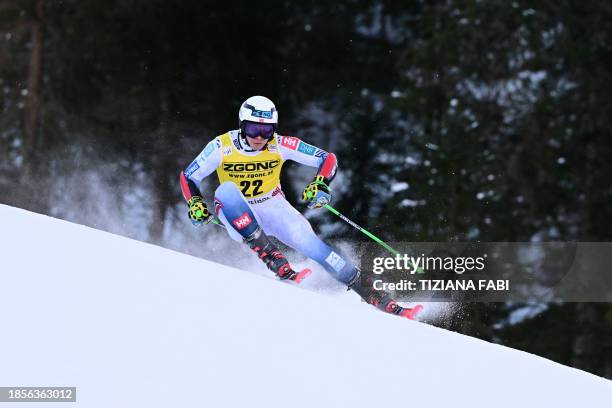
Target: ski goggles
265, 130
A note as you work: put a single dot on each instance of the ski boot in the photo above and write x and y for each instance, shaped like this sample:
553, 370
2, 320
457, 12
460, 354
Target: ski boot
382, 300
274, 259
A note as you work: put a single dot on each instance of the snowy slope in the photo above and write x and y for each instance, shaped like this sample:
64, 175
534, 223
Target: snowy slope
134, 325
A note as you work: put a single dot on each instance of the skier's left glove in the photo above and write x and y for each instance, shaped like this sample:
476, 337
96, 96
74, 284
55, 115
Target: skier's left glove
317, 193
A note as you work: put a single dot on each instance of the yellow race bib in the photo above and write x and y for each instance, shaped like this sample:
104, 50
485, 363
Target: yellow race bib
255, 175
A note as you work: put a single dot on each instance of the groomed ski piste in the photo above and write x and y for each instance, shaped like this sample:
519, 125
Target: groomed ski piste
135, 325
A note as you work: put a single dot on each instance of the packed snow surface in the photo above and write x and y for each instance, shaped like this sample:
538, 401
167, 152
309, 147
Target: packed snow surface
135, 325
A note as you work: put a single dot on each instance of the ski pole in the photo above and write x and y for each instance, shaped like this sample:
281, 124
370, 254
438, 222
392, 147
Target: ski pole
367, 233
363, 230
218, 222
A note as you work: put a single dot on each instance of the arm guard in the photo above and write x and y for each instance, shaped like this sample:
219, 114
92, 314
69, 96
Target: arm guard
328, 168
188, 187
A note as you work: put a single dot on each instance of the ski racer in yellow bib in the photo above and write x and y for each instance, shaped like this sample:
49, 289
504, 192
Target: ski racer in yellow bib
255, 177
251, 205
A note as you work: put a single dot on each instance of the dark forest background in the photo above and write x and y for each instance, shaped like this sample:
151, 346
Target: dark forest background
452, 120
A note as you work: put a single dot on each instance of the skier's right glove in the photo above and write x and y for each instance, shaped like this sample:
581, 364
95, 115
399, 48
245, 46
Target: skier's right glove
198, 212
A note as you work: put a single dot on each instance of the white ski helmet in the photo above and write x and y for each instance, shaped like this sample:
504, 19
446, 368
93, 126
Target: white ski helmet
258, 109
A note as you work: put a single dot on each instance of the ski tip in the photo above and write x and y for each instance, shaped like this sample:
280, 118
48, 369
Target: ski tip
301, 275
411, 312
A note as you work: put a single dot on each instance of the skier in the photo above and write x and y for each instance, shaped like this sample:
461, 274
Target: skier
251, 205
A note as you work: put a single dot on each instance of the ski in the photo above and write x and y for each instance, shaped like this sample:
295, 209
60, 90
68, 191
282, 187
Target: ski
301, 275
411, 312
